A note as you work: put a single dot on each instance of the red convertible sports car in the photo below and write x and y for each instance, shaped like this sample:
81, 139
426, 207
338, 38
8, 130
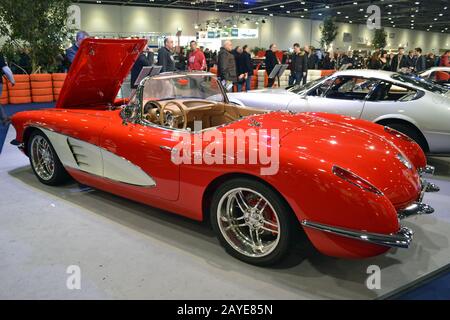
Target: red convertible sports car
346, 183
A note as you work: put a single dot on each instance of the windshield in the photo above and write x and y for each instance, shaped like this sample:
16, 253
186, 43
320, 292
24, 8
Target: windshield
421, 83
185, 86
304, 87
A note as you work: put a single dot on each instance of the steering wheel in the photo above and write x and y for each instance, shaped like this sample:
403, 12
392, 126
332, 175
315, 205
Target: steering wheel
170, 120
148, 111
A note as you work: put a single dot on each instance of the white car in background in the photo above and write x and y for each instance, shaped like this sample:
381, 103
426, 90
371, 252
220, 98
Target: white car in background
410, 104
439, 75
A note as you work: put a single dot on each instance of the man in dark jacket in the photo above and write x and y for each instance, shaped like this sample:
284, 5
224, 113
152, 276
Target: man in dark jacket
411, 60
141, 62
226, 66
313, 59
420, 64
246, 67
399, 61
271, 61
72, 51
165, 56
299, 65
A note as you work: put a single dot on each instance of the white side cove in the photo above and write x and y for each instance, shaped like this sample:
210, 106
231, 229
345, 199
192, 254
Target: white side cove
92, 159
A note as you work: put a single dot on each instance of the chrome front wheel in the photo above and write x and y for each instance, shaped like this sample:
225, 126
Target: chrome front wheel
42, 158
44, 161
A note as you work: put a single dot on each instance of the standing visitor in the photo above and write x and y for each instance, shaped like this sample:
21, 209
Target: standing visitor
246, 66
72, 51
299, 65
4, 70
226, 66
399, 61
141, 62
420, 64
271, 61
197, 60
445, 61
430, 60
165, 56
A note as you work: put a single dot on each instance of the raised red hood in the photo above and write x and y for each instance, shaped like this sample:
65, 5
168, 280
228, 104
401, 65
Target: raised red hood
98, 71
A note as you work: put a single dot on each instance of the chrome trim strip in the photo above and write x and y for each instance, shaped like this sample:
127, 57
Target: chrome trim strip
415, 209
401, 239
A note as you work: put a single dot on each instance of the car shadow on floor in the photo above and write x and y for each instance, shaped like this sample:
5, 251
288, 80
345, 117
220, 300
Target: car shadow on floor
304, 269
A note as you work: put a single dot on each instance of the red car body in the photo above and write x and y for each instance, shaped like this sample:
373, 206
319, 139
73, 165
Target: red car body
312, 146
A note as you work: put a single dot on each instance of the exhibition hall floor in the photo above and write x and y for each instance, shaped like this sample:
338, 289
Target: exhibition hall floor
129, 251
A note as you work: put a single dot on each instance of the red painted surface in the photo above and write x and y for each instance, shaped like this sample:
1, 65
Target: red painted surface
98, 71
311, 143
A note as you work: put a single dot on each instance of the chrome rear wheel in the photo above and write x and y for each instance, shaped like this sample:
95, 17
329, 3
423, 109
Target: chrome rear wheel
252, 221
248, 222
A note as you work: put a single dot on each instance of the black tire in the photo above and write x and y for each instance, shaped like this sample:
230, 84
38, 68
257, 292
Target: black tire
59, 175
410, 132
285, 216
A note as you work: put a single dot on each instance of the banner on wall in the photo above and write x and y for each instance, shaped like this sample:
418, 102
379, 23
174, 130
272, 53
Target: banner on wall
229, 33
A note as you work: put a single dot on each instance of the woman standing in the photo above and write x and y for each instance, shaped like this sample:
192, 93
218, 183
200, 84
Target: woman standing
384, 61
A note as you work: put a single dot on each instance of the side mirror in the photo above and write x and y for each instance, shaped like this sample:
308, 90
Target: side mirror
127, 114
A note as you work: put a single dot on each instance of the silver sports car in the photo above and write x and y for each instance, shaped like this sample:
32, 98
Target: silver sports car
412, 105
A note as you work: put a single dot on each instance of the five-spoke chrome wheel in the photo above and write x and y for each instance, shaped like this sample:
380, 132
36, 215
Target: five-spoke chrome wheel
248, 222
42, 157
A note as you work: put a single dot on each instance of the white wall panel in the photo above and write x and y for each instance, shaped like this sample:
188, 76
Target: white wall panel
281, 30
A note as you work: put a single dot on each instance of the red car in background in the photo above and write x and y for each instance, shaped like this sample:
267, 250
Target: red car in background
345, 182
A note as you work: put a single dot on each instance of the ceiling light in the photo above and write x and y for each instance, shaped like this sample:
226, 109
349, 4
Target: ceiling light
328, 7
338, 12
319, 14
288, 11
265, 9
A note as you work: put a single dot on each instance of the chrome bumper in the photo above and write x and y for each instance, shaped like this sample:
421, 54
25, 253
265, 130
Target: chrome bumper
400, 239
